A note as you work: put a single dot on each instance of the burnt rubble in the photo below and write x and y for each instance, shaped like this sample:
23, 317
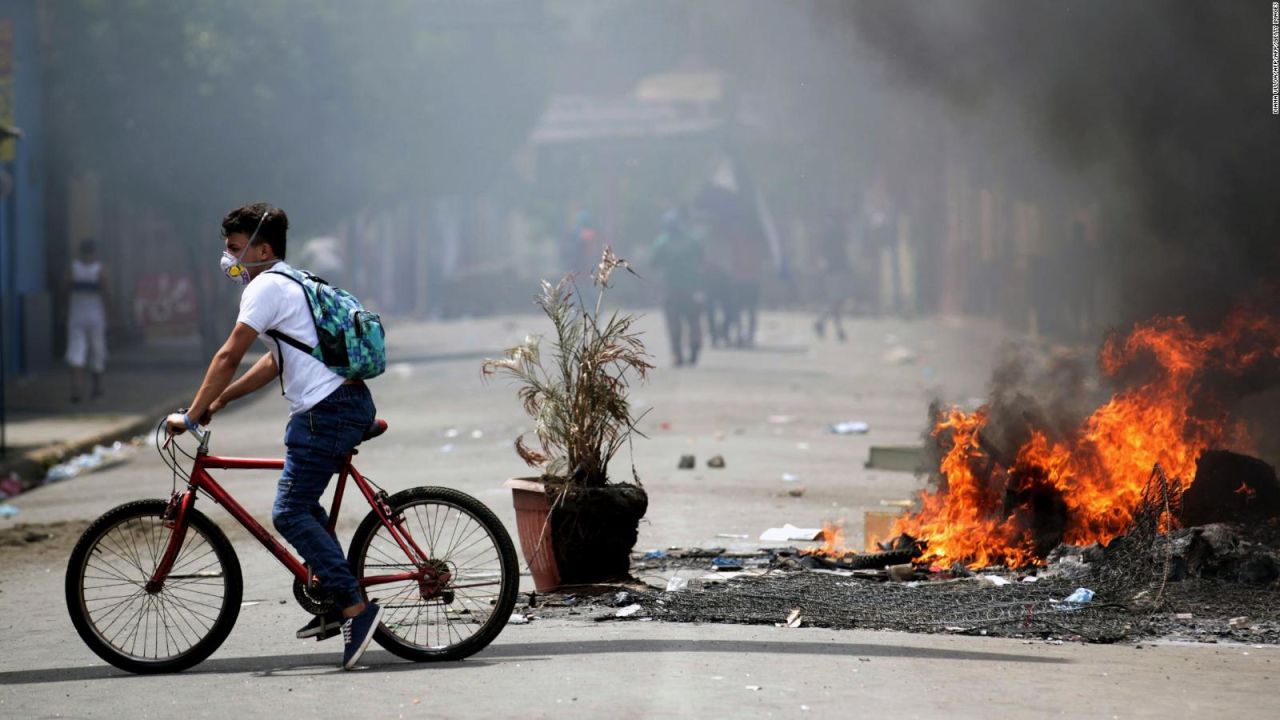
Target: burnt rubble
1207, 583
1216, 583
1230, 487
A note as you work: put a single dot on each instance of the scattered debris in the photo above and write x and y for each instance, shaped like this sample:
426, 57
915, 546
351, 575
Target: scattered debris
796, 492
8, 511
897, 503
97, 459
687, 462
901, 458
1081, 596
1230, 487
447, 448
726, 564
790, 477
781, 419
629, 610
900, 355
877, 525
733, 536
996, 580
518, 619
677, 583
901, 573
1219, 552
794, 619
791, 533
716, 461
851, 560
849, 427
10, 486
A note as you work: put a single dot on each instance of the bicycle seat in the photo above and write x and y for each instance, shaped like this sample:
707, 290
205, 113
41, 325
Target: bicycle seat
378, 427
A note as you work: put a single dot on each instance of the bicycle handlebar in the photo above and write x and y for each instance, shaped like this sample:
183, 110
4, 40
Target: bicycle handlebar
198, 431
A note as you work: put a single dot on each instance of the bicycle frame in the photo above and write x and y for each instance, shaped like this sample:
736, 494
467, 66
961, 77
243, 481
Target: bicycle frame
428, 577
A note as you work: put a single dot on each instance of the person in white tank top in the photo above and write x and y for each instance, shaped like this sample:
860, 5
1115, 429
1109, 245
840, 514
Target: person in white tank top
88, 304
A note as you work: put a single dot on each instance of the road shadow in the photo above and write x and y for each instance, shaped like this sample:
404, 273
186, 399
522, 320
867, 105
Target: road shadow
382, 661
767, 647
258, 665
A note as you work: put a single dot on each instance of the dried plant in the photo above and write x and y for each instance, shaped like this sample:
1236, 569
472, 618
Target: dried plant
578, 397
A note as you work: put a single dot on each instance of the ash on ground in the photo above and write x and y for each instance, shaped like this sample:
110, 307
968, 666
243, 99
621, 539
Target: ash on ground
1208, 599
1211, 583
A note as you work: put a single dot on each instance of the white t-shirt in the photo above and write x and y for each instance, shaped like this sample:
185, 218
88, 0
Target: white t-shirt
272, 301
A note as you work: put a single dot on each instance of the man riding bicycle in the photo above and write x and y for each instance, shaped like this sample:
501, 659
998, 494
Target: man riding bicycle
328, 414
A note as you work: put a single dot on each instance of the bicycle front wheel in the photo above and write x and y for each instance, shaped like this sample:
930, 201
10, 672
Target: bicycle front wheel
460, 536
168, 630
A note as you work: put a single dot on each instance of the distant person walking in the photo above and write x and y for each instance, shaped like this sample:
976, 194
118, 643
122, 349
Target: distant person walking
580, 248
677, 254
740, 247
837, 285
88, 303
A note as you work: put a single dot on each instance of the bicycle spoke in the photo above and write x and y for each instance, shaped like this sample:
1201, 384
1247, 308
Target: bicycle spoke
151, 626
452, 537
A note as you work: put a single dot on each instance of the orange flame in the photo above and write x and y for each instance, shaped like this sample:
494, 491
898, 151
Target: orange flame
832, 539
1099, 473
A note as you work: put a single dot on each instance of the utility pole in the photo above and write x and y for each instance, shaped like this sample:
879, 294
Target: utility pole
6, 285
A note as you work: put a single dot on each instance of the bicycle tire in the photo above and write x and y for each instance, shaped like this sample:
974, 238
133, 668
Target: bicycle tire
167, 617
509, 573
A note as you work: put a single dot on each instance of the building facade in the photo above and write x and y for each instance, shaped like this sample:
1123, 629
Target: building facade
25, 298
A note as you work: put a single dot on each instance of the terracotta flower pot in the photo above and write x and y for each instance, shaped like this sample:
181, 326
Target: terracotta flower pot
586, 539
533, 515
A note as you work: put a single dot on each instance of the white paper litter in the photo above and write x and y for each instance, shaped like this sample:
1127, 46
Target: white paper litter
789, 533
628, 611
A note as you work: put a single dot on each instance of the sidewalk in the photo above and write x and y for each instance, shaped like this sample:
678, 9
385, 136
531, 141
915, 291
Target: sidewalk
146, 381
43, 426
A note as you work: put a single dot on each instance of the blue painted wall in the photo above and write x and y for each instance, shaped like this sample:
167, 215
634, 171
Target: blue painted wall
22, 239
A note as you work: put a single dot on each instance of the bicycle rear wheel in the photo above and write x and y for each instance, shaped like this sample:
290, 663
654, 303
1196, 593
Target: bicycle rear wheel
166, 631
460, 536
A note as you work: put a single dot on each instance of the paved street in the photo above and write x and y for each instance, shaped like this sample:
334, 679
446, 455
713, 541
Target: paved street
765, 410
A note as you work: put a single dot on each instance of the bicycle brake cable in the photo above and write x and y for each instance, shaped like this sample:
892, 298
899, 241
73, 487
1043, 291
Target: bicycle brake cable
168, 454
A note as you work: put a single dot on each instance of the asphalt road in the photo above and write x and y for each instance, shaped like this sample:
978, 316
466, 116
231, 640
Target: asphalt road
765, 411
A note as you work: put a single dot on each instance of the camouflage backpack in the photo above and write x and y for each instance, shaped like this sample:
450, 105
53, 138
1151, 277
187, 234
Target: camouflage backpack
351, 339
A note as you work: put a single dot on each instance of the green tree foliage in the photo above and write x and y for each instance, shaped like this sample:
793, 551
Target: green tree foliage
324, 107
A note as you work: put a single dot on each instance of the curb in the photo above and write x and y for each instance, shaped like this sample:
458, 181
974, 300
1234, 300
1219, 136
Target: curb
32, 465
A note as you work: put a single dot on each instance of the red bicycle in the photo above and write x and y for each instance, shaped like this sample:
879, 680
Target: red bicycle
154, 586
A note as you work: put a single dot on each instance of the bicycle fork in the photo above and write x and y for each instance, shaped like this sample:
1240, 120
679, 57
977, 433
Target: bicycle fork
175, 519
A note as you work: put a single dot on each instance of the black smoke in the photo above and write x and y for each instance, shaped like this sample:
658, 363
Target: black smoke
1162, 108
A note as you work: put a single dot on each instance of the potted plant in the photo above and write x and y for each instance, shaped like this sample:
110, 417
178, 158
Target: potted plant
575, 525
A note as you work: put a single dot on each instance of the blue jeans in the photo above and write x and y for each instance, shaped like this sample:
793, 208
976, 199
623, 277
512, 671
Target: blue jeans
317, 443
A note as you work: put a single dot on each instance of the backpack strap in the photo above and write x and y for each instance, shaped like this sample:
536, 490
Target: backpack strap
287, 339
